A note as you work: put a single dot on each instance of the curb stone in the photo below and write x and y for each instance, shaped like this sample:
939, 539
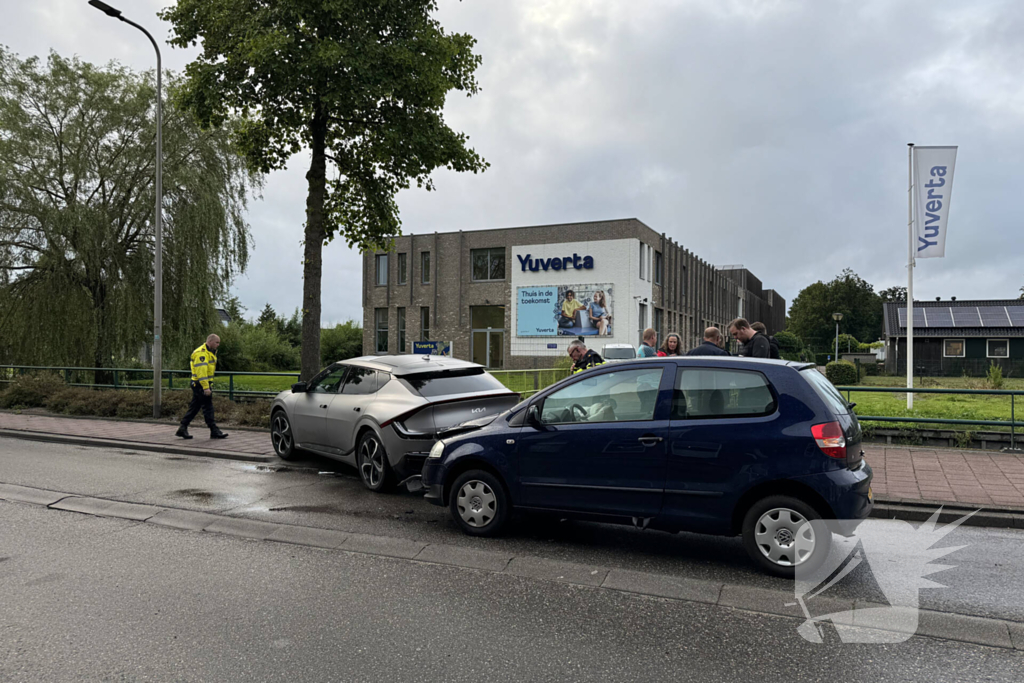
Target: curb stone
135, 446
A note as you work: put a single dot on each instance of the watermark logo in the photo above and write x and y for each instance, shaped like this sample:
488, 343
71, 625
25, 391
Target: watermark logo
899, 557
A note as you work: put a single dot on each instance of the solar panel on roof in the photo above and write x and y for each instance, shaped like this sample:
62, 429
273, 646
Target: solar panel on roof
993, 316
938, 317
965, 316
919, 320
1016, 315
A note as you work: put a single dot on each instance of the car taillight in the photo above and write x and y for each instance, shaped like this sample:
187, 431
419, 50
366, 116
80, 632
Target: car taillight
830, 439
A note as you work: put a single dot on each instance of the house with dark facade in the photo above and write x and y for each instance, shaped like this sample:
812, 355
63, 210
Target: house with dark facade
953, 338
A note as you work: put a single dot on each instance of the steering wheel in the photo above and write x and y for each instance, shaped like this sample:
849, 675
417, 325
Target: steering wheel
579, 413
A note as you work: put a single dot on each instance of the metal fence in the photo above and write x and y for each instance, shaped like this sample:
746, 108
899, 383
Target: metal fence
910, 419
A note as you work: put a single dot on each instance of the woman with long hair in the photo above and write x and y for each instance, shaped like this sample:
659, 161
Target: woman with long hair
600, 314
673, 345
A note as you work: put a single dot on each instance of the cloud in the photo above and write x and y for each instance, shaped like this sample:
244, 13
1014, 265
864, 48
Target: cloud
768, 133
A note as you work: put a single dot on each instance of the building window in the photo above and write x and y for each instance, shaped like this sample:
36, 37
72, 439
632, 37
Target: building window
643, 259
658, 267
382, 269
488, 264
952, 348
381, 327
643, 320
998, 348
488, 335
401, 329
424, 323
425, 267
403, 269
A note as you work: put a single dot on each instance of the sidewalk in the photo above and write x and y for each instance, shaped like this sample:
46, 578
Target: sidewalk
902, 475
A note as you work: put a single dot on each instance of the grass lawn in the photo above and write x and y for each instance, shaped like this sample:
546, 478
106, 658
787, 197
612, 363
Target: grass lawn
953, 406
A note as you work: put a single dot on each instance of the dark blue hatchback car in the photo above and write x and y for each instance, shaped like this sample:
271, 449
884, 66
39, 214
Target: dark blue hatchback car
760, 448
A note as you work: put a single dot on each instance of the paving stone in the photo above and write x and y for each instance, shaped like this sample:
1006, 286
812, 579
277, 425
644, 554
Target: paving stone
383, 545
663, 586
1016, 634
554, 570
183, 519
303, 535
132, 511
27, 494
464, 557
237, 526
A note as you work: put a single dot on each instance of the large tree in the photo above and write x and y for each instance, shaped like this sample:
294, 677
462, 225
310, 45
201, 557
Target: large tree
360, 83
810, 316
895, 294
77, 157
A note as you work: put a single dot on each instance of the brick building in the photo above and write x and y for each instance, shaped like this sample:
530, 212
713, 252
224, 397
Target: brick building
497, 294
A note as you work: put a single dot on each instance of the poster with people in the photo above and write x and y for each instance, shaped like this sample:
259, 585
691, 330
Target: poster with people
569, 310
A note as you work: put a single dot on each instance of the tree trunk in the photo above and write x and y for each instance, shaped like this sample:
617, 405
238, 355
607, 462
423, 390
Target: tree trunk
312, 265
101, 357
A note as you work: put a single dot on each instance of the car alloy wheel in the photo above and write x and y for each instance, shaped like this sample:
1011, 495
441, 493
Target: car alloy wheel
281, 436
373, 463
478, 503
776, 534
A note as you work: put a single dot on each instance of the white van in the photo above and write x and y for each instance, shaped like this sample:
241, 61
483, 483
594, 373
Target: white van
618, 352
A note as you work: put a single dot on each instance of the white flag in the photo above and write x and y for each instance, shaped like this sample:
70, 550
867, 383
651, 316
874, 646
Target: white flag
934, 187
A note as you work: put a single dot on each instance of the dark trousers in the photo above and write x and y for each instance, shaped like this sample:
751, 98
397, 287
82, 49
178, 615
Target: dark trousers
200, 401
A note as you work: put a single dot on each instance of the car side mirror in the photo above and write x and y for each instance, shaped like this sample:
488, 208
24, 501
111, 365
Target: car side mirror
533, 416
299, 388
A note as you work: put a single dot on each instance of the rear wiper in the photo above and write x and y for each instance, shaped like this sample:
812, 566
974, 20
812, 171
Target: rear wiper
851, 405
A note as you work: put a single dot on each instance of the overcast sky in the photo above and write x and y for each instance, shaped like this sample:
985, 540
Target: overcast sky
770, 133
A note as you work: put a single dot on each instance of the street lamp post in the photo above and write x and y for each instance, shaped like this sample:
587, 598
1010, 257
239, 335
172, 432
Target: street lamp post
158, 268
837, 317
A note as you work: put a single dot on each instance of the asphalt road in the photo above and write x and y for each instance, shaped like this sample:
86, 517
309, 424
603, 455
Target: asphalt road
985, 579
97, 599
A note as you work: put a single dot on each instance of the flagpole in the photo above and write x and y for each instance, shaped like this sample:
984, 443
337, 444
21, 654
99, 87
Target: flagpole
910, 274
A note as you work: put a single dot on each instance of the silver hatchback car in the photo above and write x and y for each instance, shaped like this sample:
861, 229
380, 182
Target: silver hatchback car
381, 414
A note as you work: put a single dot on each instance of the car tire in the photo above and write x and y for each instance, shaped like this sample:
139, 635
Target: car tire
372, 462
769, 535
479, 503
282, 436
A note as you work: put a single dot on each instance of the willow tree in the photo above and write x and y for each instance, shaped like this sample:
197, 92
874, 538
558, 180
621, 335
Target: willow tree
77, 156
360, 83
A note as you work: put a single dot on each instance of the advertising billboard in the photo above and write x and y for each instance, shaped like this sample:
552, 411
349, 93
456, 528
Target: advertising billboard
564, 310
433, 348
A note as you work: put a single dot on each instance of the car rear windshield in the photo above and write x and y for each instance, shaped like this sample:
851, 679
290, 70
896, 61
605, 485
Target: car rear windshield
828, 393
619, 353
447, 382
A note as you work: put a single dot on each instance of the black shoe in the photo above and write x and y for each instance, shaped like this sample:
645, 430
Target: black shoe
183, 433
217, 434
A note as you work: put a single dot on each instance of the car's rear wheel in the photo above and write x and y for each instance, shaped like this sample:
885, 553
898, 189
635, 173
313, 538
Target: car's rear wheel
781, 533
281, 435
478, 503
372, 461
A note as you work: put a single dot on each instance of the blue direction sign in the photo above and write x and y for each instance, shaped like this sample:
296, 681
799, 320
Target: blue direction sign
433, 348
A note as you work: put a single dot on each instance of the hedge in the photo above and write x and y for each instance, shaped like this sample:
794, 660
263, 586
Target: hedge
841, 373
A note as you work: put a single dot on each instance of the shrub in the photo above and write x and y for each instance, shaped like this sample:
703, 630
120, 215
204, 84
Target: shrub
31, 390
995, 376
841, 372
788, 342
267, 350
253, 413
340, 342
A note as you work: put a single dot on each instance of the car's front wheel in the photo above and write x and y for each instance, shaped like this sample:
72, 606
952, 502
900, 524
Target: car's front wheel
781, 533
281, 435
372, 461
478, 503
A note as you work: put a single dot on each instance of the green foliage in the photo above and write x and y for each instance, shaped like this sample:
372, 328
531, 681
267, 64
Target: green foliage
894, 294
995, 376
30, 390
789, 342
812, 309
268, 317
360, 83
266, 350
841, 373
76, 214
341, 342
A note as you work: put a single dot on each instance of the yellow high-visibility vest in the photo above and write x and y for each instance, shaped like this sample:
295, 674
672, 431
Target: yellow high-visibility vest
204, 364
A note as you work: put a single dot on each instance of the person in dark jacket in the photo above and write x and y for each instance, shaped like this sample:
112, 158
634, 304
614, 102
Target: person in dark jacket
756, 345
711, 346
582, 357
771, 339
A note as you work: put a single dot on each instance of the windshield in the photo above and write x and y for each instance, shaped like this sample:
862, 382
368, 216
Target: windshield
828, 393
617, 354
447, 382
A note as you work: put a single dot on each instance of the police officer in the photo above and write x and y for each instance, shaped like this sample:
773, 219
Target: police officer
204, 365
582, 358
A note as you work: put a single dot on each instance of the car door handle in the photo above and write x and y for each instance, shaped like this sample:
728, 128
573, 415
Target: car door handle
323, 405
356, 409
649, 440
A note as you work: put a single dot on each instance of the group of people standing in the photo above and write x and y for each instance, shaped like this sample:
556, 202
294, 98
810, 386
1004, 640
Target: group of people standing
752, 337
